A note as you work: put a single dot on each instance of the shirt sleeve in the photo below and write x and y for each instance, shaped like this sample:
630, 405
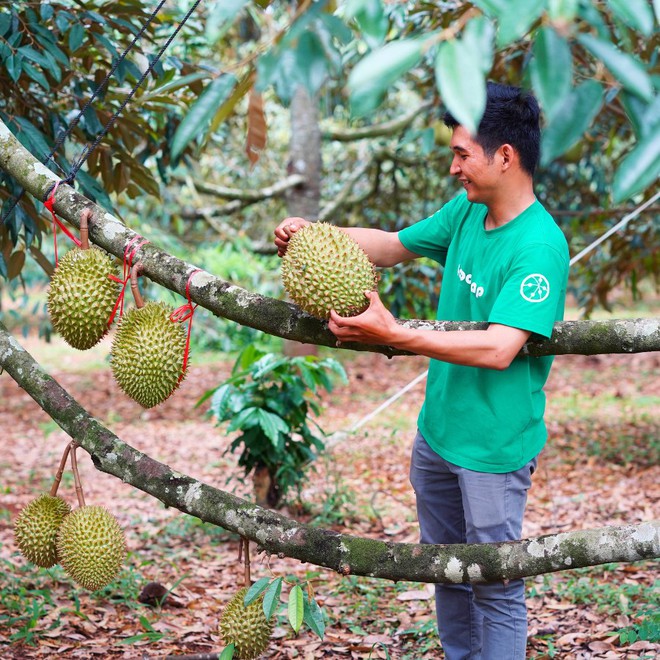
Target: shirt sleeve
534, 290
431, 237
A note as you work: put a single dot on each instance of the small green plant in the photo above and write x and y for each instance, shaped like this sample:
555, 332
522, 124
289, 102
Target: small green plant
269, 398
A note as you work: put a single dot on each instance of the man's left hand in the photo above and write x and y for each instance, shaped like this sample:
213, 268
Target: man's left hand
375, 325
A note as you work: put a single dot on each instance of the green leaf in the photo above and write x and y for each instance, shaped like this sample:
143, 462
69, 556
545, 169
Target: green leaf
272, 425
563, 10
76, 37
312, 64
314, 617
175, 84
639, 169
36, 75
14, 64
38, 143
571, 120
255, 590
371, 18
461, 83
272, 598
227, 653
5, 23
551, 69
373, 74
200, 113
479, 35
245, 419
636, 14
517, 19
624, 67
296, 607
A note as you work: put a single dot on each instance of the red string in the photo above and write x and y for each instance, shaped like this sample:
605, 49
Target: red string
49, 204
129, 254
185, 313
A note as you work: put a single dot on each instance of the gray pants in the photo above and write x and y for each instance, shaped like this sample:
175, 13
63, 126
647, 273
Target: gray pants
455, 505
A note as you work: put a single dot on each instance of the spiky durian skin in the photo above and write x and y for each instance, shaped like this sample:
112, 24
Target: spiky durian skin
35, 529
147, 354
91, 546
324, 268
247, 628
81, 296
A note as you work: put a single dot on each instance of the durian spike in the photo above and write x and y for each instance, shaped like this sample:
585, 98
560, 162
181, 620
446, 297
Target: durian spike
135, 289
60, 471
76, 475
85, 215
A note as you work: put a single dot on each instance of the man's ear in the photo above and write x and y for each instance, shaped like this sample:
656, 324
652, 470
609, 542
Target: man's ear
508, 155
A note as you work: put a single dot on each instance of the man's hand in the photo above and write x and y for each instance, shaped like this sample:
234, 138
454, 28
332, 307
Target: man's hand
375, 325
285, 230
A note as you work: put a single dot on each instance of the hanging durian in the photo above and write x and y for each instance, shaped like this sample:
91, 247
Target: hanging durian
91, 546
147, 354
36, 526
247, 628
82, 295
324, 268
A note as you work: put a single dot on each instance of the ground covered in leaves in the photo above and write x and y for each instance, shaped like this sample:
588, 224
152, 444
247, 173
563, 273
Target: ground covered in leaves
600, 468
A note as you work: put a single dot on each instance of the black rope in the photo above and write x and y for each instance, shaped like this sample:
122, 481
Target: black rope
87, 151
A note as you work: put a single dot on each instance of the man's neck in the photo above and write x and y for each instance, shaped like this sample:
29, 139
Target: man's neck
509, 205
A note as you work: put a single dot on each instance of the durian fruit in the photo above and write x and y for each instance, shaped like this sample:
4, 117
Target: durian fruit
247, 628
91, 546
81, 296
35, 529
324, 268
147, 353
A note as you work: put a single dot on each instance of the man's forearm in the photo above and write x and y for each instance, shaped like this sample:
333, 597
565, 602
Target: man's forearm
383, 247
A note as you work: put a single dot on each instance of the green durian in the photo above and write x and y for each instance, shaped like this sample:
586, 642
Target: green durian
147, 353
35, 529
324, 268
247, 628
91, 546
81, 296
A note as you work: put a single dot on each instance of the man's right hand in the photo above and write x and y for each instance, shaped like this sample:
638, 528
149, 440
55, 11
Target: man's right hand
285, 230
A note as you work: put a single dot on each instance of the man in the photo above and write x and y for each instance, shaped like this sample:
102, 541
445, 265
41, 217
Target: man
481, 427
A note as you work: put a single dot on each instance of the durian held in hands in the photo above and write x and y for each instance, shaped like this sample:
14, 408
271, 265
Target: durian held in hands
247, 628
82, 293
324, 268
148, 349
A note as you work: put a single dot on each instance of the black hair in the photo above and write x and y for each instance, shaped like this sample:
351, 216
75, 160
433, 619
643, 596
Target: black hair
511, 117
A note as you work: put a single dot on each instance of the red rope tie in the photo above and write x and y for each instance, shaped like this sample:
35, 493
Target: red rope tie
129, 255
185, 313
49, 204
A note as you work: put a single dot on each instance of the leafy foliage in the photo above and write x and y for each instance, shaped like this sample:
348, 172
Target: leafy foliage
269, 398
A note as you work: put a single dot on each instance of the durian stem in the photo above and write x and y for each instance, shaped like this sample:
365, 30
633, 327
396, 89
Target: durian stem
76, 475
60, 471
85, 215
246, 559
135, 289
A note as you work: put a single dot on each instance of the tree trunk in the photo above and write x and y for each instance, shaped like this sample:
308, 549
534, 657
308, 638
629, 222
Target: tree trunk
341, 552
305, 159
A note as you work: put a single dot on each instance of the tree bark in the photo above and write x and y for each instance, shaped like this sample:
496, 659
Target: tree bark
343, 553
305, 156
277, 317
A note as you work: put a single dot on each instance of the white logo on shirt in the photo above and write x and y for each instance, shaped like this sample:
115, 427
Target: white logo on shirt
477, 290
535, 288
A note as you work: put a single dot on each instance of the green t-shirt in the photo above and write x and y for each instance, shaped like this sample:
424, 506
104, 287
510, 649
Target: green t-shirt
515, 275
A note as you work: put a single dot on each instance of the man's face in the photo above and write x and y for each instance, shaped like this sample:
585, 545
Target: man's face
470, 165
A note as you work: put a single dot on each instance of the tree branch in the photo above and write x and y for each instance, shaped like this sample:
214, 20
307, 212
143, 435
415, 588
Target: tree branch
343, 553
377, 130
250, 196
277, 317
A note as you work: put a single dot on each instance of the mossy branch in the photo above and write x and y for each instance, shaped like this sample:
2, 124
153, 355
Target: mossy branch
277, 317
343, 553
